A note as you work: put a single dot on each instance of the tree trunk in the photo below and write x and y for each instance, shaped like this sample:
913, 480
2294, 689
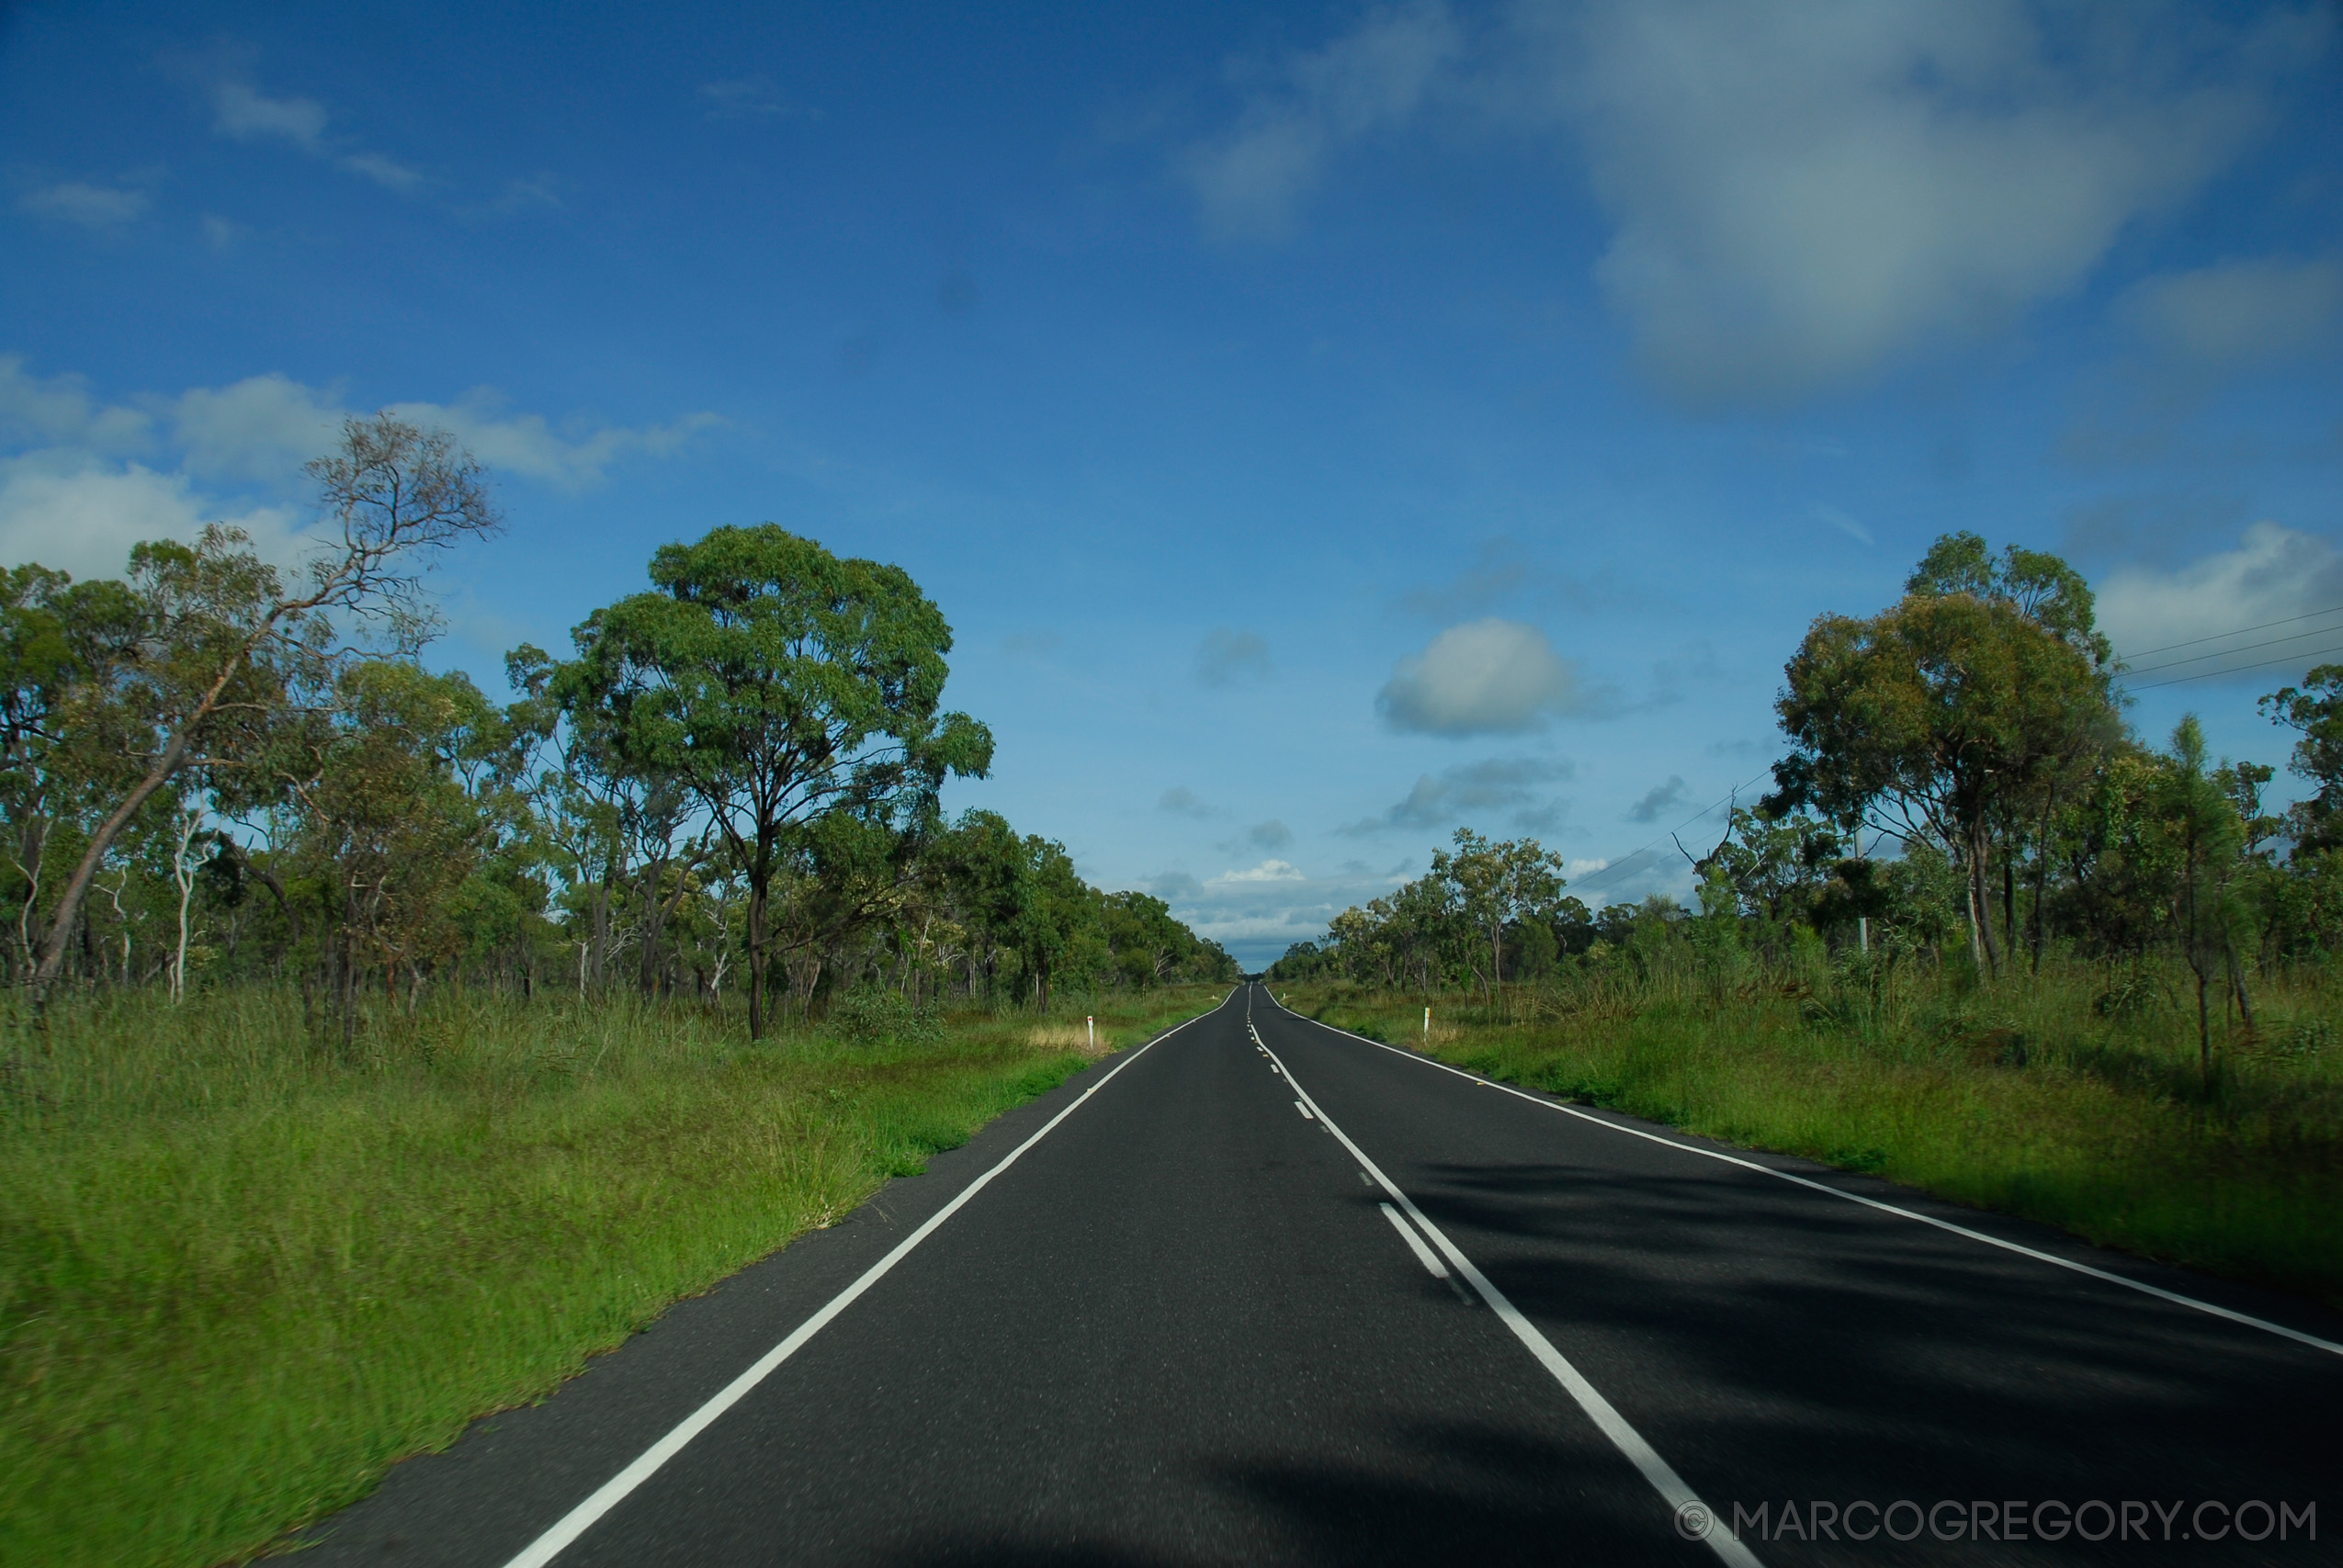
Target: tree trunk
2204, 1033
757, 879
1986, 951
69, 902
2042, 873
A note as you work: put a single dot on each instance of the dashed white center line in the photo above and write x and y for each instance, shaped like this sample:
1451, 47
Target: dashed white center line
1656, 1471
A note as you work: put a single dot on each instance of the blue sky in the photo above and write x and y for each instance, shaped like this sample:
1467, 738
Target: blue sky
1322, 426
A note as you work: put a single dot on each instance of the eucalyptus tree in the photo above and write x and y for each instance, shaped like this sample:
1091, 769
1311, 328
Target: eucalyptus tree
1953, 711
780, 684
224, 646
1497, 884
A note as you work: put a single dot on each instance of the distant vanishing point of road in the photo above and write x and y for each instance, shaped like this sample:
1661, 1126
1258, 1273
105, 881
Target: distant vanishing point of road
1263, 1291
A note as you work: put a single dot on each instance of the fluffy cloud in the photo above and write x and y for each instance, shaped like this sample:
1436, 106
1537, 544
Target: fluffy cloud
2155, 617
1511, 784
1801, 195
242, 113
526, 445
1228, 658
1804, 192
1267, 871
82, 479
2239, 311
92, 207
1258, 914
59, 411
83, 520
1248, 182
265, 427
1486, 677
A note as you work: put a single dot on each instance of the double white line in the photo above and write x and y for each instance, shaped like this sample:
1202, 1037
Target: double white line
1686, 1502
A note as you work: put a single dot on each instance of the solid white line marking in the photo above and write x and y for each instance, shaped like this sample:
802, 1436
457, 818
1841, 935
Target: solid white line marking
578, 1520
1302, 1108
1624, 1437
1424, 1255
2312, 1340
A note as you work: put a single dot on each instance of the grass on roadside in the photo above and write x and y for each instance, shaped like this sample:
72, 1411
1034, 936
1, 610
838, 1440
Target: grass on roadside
2074, 1099
240, 1275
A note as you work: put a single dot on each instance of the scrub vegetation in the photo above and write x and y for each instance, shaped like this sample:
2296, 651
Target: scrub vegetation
373, 1052
1980, 938
241, 1274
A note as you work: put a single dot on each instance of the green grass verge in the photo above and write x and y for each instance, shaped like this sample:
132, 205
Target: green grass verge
2022, 1098
241, 1274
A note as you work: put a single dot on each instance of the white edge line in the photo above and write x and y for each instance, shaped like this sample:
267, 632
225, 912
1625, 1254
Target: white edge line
2158, 1292
1424, 1255
578, 1520
1624, 1437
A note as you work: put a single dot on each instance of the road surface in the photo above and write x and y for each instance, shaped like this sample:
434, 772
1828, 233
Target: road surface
1262, 1291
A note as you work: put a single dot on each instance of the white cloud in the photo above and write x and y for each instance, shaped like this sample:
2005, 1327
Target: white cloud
1267, 871
1489, 676
264, 427
388, 173
1248, 182
242, 113
1843, 522
82, 479
2274, 573
2239, 310
59, 411
92, 207
1257, 917
528, 445
84, 519
1806, 193
751, 98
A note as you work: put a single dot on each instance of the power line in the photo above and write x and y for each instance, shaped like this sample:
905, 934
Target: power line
2241, 668
2286, 621
1624, 861
2227, 652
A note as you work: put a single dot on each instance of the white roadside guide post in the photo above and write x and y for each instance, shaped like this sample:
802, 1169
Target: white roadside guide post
1092, 1025
1427, 1023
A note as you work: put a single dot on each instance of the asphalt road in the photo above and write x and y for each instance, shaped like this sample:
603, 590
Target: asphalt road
1261, 1291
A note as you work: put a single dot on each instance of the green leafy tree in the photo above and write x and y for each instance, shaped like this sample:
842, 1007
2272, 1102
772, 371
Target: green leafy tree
1952, 712
225, 647
1498, 884
2203, 843
2315, 710
779, 683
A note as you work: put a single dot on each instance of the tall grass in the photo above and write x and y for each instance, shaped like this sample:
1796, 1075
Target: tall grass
242, 1269
2072, 1097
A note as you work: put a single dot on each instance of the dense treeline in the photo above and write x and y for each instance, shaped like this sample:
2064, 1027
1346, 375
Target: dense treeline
213, 773
1961, 790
